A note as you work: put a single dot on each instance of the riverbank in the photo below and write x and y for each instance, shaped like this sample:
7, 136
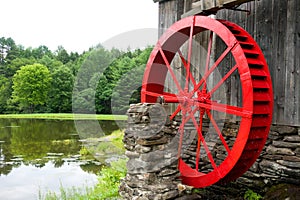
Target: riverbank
108, 177
64, 116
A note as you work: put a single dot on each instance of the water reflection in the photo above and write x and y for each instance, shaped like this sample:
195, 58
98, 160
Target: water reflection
43, 179
43, 153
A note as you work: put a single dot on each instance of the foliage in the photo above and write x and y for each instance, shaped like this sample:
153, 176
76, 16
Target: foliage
91, 82
251, 195
5, 93
120, 84
60, 93
84, 151
31, 86
66, 194
111, 144
109, 180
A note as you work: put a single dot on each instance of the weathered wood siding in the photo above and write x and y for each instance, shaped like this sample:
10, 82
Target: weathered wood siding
169, 12
276, 28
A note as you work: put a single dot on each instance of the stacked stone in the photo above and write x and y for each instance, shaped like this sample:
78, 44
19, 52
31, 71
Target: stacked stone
152, 166
279, 163
151, 141
280, 160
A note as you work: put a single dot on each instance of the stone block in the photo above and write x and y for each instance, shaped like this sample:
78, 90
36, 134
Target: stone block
289, 164
273, 157
142, 149
144, 142
270, 167
282, 144
131, 154
291, 158
281, 151
294, 138
284, 129
170, 195
167, 172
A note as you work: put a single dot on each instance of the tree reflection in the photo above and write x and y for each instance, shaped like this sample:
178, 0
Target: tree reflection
36, 142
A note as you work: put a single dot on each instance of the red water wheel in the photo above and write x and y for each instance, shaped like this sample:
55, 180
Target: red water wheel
231, 83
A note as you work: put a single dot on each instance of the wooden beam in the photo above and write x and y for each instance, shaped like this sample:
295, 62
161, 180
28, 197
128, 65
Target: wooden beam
207, 7
155, 1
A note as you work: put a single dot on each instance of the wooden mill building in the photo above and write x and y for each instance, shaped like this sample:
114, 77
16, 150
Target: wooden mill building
275, 27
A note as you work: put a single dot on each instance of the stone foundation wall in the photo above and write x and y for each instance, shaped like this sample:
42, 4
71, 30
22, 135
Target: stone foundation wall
279, 161
152, 165
151, 143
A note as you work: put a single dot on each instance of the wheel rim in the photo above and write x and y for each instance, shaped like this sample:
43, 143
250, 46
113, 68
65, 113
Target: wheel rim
195, 100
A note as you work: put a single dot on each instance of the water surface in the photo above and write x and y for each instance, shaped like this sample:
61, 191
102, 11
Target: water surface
40, 155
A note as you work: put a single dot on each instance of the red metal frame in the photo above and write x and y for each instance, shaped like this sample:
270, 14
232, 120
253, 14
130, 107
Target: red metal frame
257, 96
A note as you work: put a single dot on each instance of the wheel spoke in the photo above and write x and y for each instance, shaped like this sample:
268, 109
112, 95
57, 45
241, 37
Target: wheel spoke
190, 48
181, 127
202, 112
214, 66
233, 110
168, 97
208, 58
169, 68
181, 130
223, 80
209, 155
218, 131
186, 66
178, 109
208, 52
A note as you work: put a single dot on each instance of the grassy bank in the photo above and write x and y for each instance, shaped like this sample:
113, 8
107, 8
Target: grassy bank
64, 116
108, 178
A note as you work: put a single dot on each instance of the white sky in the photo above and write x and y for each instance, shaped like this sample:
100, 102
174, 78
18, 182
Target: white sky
74, 24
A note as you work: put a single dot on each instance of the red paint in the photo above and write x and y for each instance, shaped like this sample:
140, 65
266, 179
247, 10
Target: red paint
257, 97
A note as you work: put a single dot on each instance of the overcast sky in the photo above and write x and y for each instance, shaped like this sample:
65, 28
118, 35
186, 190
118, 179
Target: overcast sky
74, 24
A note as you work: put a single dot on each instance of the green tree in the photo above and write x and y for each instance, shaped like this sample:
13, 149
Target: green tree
84, 101
12, 50
102, 96
41, 51
30, 86
61, 90
62, 55
121, 81
16, 64
97, 60
4, 93
51, 63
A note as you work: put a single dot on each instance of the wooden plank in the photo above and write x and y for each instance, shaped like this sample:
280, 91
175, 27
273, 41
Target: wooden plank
250, 18
187, 5
168, 14
158, 1
277, 67
297, 64
290, 90
207, 7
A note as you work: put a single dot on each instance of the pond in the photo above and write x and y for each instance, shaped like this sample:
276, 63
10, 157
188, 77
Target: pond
41, 155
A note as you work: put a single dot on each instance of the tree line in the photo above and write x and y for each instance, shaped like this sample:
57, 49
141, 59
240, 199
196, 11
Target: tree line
38, 80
